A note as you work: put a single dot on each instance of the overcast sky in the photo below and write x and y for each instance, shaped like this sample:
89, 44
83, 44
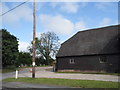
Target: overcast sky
63, 18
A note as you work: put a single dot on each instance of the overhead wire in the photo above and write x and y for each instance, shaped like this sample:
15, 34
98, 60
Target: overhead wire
14, 8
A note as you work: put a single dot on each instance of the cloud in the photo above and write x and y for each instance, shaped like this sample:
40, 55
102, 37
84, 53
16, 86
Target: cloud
0, 14
54, 4
105, 22
57, 24
60, 25
70, 7
23, 12
38, 34
80, 26
0, 8
39, 6
23, 46
104, 5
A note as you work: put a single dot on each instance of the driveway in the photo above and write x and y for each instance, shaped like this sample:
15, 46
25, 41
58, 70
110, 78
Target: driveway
46, 72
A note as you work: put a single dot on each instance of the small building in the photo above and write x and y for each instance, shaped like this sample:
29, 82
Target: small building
94, 50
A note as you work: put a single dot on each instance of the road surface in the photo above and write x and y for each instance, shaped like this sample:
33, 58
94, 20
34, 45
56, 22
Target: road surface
46, 72
23, 72
27, 85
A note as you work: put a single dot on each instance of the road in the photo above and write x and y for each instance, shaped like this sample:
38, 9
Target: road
12, 74
22, 84
27, 85
46, 72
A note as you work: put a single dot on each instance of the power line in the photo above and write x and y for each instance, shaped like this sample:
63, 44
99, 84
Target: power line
14, 8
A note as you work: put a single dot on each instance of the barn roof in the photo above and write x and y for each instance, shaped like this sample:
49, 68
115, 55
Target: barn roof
90, 42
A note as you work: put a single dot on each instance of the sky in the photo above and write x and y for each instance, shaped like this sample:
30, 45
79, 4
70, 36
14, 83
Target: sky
63, 18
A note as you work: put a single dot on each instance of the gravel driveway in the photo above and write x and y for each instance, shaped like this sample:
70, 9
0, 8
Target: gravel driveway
46, 72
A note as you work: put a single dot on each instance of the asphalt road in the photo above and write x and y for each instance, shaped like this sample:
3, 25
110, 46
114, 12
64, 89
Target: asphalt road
12, 74
27, 85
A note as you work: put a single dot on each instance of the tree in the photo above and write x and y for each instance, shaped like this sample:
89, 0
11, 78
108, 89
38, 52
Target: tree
47, 46
25, 58
9, 49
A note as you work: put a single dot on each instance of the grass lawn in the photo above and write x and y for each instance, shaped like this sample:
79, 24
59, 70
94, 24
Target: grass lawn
67, 82
116, 74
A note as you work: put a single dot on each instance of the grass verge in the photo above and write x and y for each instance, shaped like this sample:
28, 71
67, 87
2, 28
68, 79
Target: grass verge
67, 82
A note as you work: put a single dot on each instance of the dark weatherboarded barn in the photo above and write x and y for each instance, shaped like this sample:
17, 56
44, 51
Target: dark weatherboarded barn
90, 50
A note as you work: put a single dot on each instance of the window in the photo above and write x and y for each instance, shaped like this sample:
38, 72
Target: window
103, 59
72, 61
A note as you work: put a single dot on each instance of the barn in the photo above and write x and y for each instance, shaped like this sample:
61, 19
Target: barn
94, 50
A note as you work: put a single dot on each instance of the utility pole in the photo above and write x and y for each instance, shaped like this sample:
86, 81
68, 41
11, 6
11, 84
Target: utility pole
34, 39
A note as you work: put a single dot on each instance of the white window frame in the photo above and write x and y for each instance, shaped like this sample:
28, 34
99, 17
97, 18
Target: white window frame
72, 61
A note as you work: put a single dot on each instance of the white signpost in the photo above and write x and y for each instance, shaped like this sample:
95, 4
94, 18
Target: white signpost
16, 76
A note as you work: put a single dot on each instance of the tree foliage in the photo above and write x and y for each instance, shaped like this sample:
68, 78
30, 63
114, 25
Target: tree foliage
47, 46
25, 58
9, 49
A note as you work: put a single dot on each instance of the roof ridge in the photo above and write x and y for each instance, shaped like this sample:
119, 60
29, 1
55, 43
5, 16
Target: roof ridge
99, 28
89, 30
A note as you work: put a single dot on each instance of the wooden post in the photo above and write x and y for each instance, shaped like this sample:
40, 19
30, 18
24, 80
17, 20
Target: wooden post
34, 37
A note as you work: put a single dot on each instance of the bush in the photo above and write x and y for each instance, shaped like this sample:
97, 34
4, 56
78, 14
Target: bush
12, 67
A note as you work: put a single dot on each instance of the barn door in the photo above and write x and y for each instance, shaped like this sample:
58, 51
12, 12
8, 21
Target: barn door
103, 63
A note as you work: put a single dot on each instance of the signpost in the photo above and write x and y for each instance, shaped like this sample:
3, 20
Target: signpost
16, 75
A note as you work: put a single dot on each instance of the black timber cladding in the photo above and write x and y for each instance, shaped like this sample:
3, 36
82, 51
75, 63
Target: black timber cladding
89, 63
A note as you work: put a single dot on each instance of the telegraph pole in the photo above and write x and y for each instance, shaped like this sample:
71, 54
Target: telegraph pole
34, 37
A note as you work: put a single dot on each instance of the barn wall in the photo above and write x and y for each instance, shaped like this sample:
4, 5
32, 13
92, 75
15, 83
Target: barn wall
89, 63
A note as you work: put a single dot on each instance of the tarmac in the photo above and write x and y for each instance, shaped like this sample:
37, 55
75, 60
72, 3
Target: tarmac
27, 85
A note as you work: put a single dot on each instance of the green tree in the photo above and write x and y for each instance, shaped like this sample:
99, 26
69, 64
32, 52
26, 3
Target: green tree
25, 58
9, 49
47, 46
